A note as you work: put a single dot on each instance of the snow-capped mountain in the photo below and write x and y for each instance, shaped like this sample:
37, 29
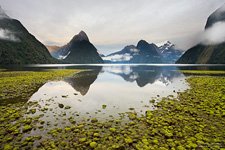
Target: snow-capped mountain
144, 52
165, 45
169, 52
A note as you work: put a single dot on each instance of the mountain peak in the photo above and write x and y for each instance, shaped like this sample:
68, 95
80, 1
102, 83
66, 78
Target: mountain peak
165, 44
142, 43
3, 14
82, 36
130, 46
217, 16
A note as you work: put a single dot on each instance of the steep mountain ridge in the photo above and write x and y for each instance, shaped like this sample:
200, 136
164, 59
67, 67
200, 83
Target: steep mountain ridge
142, 53
207, 54
145, 53
169, 52
78, 50
217, 16
18, 46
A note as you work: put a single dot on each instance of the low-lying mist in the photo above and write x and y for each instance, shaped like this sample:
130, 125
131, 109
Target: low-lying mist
214, 35
8, 35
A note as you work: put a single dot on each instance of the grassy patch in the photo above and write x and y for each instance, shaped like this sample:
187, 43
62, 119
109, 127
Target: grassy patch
20, 85
202, 72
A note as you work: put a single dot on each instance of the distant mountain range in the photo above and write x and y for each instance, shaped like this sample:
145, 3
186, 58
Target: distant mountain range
78, 51
18, 46
207, 54
145, 53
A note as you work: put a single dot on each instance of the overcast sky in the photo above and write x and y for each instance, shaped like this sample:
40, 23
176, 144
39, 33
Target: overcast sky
113, 24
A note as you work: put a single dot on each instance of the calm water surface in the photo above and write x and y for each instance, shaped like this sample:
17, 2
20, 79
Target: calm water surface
105, 92
119, 89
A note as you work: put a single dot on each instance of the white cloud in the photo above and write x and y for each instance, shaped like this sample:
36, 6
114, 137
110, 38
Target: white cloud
214, 35
117, 57
8, 35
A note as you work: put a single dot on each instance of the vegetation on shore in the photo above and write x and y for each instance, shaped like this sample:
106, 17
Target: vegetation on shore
195, 120
203, 72
20, 85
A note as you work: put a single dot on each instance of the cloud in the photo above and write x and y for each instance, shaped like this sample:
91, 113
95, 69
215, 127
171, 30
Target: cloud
111, 25
3, 14
8, 35
214, 35
221, 9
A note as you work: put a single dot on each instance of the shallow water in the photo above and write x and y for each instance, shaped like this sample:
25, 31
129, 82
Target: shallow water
106, 93
119, 89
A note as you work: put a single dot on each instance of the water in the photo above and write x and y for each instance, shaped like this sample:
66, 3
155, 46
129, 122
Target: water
120, 89
105, 92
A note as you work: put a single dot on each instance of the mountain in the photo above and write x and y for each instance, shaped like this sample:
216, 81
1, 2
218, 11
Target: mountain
142, 53
169, 52
201, 54
217, 16
123, 56
78, 51
207, 54
18, 46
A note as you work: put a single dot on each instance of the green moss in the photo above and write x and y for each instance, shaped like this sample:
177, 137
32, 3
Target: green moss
104, 106
96, 135
94, 120
193, 120
27, 128
61, 105
203, 72
67, 107
82, 140
93, 144
8, 147
128, 140
33, 111
112, 129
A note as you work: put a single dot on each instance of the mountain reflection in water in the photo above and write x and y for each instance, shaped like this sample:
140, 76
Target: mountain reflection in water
81, 81
142, 75
120, 88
